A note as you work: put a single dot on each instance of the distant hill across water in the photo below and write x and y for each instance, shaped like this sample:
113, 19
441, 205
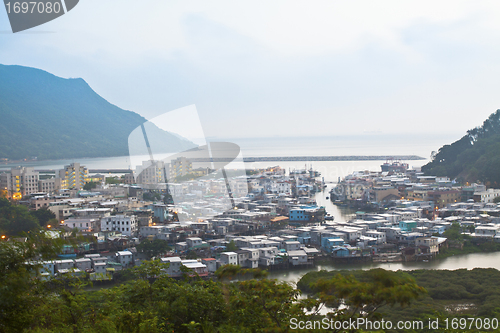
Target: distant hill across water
49, 117
475, 157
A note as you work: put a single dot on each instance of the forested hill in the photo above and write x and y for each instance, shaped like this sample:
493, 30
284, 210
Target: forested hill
50, 117
475, 157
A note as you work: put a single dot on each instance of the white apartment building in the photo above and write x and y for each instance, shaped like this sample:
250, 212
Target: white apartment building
176, 190
211, 264
174, 267
487, 230
281, 187
229, 258
83, 224
125, 258
379, 235
126, 224
486, 196
83, 264
239, 186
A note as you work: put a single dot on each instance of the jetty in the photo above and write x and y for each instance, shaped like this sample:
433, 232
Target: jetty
314, 158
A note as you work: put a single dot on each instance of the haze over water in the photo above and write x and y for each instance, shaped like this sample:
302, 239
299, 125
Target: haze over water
360, 145
376, 144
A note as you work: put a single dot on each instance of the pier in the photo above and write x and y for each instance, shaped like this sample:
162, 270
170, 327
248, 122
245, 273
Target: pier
312, 158
274, 159
52, 171
331, 158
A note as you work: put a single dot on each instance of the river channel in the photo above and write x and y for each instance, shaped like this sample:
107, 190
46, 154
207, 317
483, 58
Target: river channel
467, 261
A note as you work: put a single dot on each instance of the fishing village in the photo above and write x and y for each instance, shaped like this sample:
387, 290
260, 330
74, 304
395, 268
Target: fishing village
396, 214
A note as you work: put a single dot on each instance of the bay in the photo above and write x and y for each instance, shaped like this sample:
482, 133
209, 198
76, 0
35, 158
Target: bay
331, 171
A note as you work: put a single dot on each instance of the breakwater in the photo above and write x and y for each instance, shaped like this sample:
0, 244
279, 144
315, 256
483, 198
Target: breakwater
311, 158
332, 158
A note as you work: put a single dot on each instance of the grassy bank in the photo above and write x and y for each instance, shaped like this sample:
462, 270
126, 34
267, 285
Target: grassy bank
468, 248
449, 294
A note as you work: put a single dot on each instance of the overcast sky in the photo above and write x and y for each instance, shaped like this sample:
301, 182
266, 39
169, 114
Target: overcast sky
284, 68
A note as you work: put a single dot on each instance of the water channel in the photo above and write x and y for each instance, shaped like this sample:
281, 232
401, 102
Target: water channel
467, 261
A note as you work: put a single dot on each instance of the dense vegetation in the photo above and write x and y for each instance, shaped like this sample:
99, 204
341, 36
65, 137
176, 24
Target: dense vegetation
147, 300
150, 301
459, 293
16, 220
50, 117
475, 157
153, 248
460, 243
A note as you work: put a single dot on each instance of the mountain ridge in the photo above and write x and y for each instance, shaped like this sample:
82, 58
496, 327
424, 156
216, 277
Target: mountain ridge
473, 158
50, 117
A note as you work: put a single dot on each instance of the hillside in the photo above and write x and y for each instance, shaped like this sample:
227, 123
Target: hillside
449, 294
475, 157
49, 117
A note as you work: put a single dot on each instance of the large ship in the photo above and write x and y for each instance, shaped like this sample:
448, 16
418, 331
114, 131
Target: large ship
394, 166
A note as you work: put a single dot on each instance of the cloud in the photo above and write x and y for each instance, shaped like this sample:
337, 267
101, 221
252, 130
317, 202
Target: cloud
281, 67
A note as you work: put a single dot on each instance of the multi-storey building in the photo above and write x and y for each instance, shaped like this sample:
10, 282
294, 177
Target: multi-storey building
151, 172
87, 224
129, 178
280, 187
442, 198
20, 181
126, 224
486, 196
73, 176
42, 201
49, 185
180, 167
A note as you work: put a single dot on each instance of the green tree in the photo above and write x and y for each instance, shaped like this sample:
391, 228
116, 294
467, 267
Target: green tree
231, 246
16, 219
454, 233
265, 306
90, 185
474, 157
150, 269
192, 255
20, 293
350, 298
154, 248
43, 215
114, 180
168, 199
153, 302
148, 196
260, 304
